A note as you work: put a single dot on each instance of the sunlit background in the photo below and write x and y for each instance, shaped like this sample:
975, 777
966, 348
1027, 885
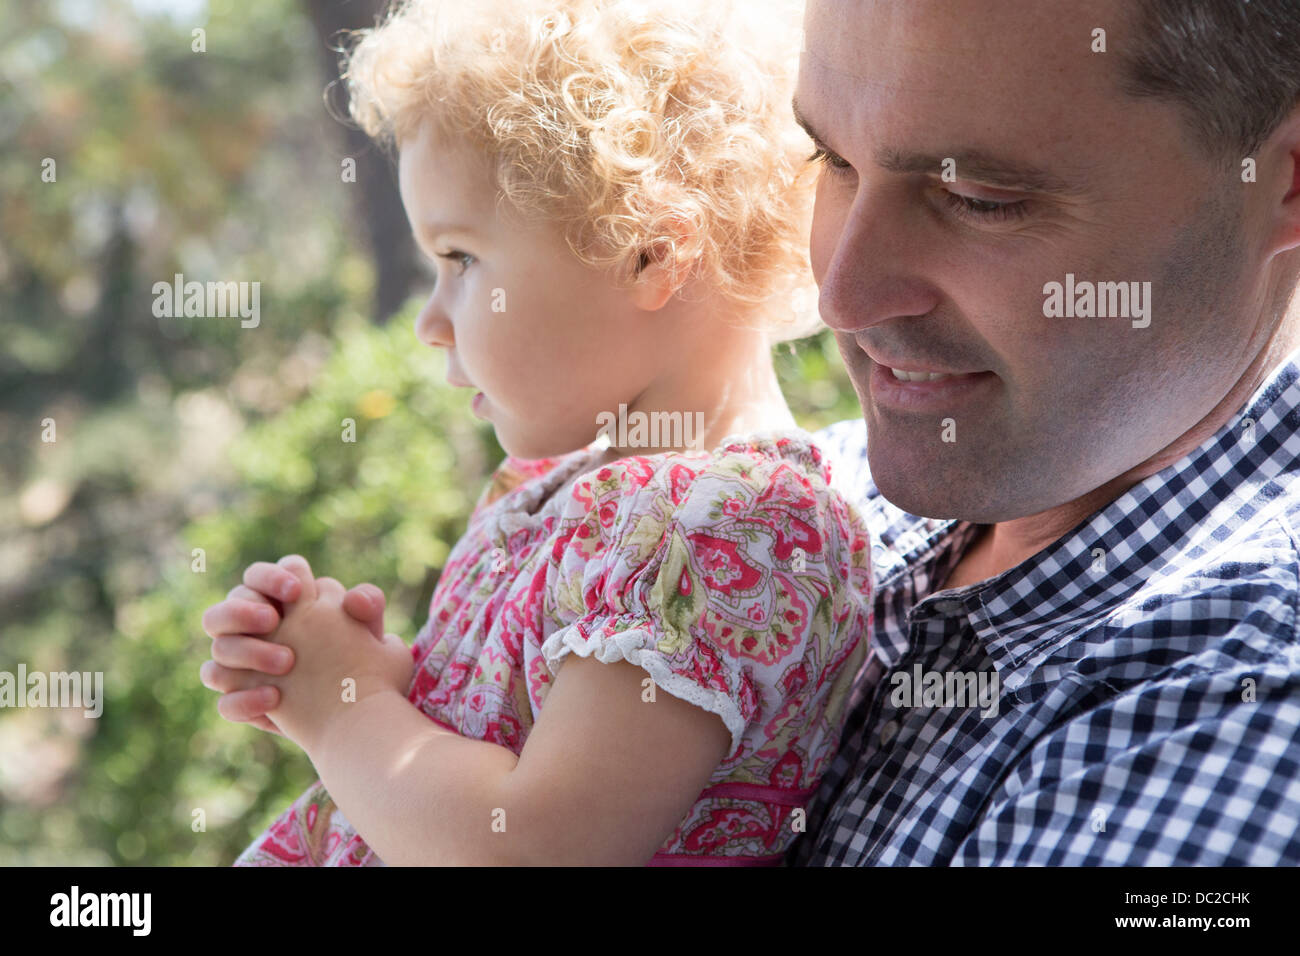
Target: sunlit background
184, 449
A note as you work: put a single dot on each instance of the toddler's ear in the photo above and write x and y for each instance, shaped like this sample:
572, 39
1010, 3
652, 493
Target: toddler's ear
655, 279
297, 565
654, 287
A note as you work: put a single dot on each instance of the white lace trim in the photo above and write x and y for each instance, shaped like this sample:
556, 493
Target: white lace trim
627, 646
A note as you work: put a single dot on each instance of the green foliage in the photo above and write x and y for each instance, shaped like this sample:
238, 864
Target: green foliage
384, 508
815, 384
176, 435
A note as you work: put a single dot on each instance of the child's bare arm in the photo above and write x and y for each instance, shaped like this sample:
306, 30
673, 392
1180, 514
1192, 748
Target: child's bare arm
603, 778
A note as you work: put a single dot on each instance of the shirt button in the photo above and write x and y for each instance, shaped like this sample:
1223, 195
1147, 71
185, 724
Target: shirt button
887, 733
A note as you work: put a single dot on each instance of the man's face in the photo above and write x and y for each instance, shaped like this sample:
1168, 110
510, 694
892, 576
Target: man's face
941, 267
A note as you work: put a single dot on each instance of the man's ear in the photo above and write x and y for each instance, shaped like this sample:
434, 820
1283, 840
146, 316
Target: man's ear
1288, 138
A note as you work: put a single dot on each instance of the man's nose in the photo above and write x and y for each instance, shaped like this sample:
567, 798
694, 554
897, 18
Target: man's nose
432, 326
876, 268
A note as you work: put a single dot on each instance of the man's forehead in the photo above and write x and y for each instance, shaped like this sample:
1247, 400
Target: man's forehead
915, 88
937, 45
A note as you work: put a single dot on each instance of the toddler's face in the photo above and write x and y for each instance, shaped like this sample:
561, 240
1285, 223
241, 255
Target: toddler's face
548, 342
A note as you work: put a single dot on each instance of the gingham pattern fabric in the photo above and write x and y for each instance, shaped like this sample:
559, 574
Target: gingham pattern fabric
1149, 673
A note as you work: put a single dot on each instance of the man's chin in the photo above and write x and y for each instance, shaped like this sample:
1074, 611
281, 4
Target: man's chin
903, 495
940, 486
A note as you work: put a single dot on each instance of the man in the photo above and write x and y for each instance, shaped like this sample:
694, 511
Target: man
1080, 224
1125, 562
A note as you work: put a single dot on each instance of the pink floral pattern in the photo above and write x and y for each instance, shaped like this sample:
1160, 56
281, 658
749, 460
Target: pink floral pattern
735, 578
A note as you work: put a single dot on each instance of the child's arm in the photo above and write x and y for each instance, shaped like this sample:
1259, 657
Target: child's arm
603, 778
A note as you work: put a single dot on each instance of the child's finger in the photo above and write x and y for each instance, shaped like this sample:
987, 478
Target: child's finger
365, 603
329, 588
273, 580
251, 654
235, 616
245, 593
297, 565
401, 656
243, 706
226, 680
375, 592
397, 646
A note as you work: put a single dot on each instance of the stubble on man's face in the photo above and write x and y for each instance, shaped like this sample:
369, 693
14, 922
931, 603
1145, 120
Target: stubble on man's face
1076, 401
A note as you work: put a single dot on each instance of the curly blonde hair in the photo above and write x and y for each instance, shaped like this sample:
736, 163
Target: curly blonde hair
640, 128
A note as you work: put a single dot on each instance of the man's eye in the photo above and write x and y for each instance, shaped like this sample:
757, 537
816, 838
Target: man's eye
826, 158
984, 209
463, 259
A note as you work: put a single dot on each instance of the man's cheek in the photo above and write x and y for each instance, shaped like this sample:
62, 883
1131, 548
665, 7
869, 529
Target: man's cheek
856, 363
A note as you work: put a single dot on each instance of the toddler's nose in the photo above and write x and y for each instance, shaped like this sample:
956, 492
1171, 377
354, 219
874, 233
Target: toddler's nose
432, 327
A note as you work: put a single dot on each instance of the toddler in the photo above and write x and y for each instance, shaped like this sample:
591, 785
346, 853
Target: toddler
642, 647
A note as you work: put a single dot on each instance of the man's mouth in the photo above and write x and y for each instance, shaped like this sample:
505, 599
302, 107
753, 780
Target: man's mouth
903, 376
924, 389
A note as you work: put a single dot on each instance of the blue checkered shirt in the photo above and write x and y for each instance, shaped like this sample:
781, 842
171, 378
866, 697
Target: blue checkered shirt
1147, 665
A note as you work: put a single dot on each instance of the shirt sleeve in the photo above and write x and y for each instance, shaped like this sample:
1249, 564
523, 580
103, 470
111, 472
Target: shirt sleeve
736, 583
1217, 784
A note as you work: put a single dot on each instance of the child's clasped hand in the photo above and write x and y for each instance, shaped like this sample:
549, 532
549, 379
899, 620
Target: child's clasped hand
337, 662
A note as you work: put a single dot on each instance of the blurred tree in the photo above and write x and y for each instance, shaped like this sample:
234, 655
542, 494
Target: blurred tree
377, 201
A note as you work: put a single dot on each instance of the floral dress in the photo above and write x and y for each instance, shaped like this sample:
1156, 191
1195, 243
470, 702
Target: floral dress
735, 578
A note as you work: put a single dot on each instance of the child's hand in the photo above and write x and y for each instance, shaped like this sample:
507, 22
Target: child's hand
338, 662
241, 658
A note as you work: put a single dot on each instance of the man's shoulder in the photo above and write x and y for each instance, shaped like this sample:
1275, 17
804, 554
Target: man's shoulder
1235, 569
1184, 697
1220, 598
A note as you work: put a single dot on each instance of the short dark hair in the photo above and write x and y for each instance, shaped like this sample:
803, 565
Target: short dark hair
1233, 65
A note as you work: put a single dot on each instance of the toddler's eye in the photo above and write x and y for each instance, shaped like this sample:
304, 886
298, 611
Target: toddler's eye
463, 259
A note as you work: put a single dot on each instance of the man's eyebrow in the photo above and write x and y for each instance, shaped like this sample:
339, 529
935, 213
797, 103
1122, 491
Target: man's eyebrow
981, 167
970, 164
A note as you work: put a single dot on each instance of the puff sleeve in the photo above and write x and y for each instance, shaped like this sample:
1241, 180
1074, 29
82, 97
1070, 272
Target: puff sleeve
735, 579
